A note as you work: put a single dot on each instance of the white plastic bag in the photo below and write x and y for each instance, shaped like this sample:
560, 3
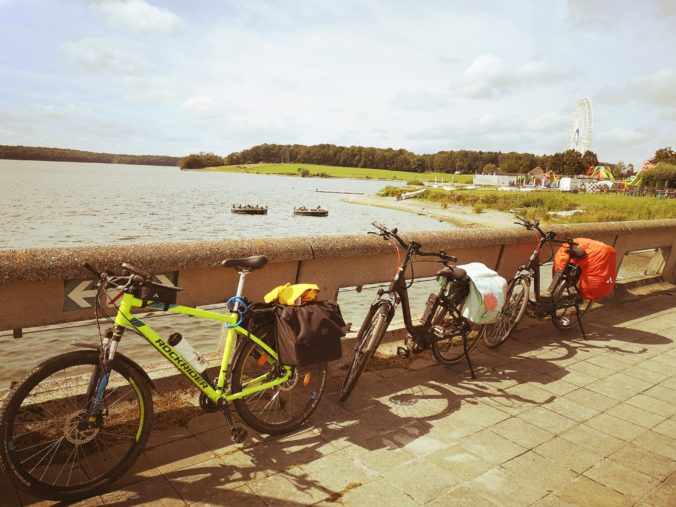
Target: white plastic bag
487, 291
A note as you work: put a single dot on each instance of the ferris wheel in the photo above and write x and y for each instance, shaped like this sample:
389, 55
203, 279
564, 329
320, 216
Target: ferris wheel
581, 126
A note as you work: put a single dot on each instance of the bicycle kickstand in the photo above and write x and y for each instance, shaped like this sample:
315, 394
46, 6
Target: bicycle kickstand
469, 363
579, 321
238, 433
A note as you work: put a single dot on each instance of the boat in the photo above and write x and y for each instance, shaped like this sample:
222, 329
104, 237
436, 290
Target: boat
409, 195
311, 212
248, 209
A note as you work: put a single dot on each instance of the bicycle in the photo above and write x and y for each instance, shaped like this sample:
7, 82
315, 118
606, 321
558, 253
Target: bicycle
79, 420
443, 328
564, 303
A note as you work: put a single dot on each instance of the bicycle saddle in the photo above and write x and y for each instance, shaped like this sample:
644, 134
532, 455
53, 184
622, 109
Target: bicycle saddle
246, 263
449, 272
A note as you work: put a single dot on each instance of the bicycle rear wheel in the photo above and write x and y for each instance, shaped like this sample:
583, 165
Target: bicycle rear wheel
564, 296
282, 408
371, 333
512, 312
51, 449
450, 350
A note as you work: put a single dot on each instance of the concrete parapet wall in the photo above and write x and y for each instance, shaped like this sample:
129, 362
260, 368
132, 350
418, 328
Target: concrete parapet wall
32, 280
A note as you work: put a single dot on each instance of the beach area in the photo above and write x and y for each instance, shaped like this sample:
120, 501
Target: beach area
463, 217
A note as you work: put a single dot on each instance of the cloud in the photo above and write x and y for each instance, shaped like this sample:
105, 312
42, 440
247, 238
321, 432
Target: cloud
422, 101
95, 54
626, 136
201, 106
138, 16
658, 89
489, 77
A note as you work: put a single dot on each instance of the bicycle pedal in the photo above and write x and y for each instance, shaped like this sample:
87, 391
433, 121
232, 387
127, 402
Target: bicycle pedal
239, 434
403, 352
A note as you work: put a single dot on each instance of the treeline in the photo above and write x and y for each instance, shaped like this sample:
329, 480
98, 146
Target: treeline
67, 155
462, 161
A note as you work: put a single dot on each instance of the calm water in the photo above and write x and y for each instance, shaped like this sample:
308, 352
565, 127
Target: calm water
54, 204
62, 204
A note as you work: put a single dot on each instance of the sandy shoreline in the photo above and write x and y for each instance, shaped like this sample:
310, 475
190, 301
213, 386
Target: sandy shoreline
461, 216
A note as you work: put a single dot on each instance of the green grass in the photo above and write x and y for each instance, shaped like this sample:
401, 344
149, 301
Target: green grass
536, 205
325, 171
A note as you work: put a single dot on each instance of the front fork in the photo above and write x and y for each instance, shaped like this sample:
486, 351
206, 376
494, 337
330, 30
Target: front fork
99, 378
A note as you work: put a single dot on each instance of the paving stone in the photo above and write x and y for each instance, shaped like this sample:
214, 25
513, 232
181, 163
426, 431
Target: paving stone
377, 492
662, 496
586, 492
463, 496
235, 498
338, 472
628, 481
520, 432
155, 491
644, 461
460, 462
647, 375
557, 386
543, 472
635, 415
503, 487
592, 369
422, 480
653, 405
618, 386
594, 440
591, 399
547, 420
661, 393
613, 426
657, 443
491, 446
572, 410
178, 455
667, 428
567, 453
552, 500
292, 487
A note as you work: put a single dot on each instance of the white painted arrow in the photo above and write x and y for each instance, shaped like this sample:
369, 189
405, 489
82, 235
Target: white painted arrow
79, 293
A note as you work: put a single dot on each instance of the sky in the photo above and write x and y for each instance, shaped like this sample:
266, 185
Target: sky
176, 77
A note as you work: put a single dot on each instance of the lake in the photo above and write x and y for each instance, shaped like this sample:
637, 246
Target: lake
62, 204
65, 204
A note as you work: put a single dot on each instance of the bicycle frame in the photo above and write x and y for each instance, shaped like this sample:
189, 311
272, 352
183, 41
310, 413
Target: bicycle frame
125, 319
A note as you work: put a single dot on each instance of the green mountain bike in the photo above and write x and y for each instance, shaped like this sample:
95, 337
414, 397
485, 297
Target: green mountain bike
79, 420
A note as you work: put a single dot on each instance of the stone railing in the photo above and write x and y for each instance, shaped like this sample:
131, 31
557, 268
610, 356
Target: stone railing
50, 286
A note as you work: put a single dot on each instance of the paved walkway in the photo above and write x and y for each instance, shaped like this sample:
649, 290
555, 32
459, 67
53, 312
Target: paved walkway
550, 421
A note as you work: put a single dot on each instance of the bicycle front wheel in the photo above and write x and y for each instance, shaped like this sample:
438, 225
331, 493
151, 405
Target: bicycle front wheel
564, 296
451, 349
516, 301
52, 449
282, 408
367, 341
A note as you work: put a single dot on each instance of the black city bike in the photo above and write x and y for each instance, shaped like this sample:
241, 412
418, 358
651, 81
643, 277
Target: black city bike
562, 301
442, 326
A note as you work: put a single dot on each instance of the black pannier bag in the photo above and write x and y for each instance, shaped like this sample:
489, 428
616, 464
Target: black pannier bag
309, 333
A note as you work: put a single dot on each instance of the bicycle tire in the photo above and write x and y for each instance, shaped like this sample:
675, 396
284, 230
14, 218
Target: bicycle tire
512, 312
565, 317
449, 351
279, 409
370, 334
45, 453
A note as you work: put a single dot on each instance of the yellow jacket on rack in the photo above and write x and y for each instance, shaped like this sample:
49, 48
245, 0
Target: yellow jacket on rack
296, 294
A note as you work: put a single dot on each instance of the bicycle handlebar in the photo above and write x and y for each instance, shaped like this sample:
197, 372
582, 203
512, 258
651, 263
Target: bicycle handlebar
546, 236
413, 246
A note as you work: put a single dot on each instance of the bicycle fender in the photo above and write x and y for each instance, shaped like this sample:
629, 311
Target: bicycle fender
129, 362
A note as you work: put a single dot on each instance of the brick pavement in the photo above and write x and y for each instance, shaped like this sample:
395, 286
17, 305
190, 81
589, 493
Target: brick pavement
551, 420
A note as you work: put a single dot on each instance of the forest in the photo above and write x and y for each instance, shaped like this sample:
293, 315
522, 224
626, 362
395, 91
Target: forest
458, 161
67, 155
